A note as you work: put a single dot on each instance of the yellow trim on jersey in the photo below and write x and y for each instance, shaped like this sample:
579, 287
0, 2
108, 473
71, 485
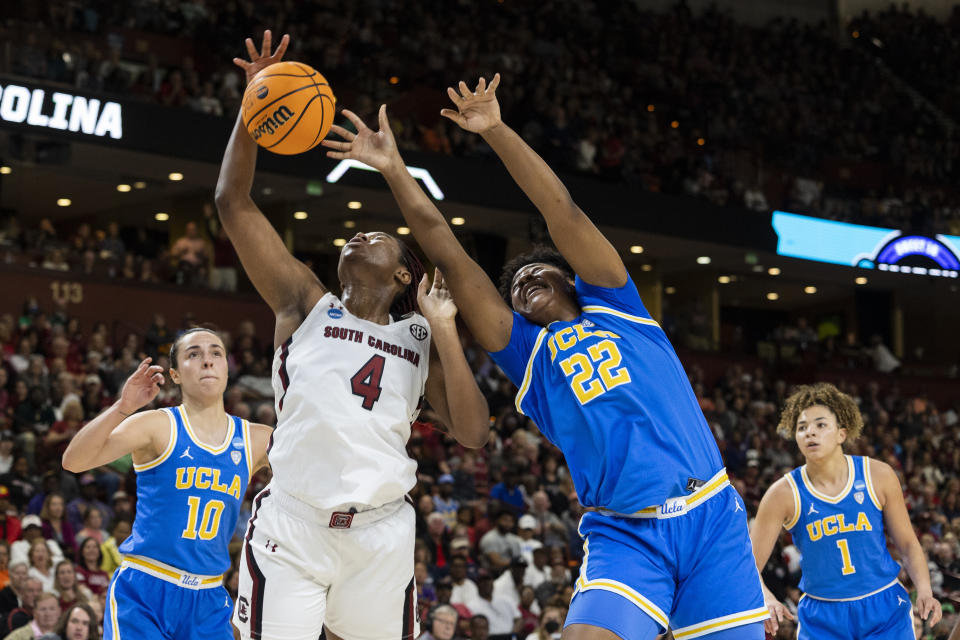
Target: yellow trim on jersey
248, 445
719, 624
707, 491
170, 574
869, 479
528, 373
193, 436
796, 503
112, 605
596, 308
171, 444
861, 597
851, 473
713, 486
633, 596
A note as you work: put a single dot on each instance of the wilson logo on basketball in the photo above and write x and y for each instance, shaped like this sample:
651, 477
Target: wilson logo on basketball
272, 123
418, 331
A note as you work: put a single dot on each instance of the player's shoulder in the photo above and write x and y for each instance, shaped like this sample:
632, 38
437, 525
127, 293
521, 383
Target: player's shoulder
782, 495
881, 473
159, 418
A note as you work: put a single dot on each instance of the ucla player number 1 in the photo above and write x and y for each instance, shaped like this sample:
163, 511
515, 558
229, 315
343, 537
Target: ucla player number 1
209, 523
848, 567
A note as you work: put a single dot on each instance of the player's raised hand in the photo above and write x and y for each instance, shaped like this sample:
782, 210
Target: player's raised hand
264, 58
375, 148
437, 305
141, 387
477, 111
929, 609
778, 612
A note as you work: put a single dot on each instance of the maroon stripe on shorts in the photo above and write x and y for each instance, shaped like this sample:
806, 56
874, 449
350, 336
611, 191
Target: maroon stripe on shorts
409, 610
256, 575
284, 377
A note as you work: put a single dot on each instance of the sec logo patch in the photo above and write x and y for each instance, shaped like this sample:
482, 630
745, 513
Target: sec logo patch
418, 331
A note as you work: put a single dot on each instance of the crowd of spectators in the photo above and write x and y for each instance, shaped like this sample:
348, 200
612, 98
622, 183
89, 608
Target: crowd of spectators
784, 115
201, 257
497, 534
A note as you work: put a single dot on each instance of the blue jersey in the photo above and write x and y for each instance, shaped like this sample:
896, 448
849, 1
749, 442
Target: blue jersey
608, 390
188, 499
841, 540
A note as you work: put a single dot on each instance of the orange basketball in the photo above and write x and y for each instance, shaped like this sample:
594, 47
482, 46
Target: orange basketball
288, 108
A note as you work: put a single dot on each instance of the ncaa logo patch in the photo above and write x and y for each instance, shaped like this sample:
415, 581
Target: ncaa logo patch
335, 313
858, 496
238, 443
262, 92
236, 456
418, 331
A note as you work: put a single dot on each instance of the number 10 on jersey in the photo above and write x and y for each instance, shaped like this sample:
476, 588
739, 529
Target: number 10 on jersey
209, 522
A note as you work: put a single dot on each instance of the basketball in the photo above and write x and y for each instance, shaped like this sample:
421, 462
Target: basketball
288, 108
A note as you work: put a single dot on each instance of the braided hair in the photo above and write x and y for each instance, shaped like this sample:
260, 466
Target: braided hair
406, 300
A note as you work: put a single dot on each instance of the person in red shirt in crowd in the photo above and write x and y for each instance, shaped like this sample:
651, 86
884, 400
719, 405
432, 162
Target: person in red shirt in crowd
60, 433
9, 523
89, 572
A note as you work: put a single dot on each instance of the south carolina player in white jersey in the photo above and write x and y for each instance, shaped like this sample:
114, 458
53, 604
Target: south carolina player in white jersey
330, 540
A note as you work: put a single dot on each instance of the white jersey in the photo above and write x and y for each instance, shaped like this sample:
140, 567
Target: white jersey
347, 391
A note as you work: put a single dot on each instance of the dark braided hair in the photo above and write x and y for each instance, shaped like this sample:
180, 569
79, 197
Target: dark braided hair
539, 253
406, 300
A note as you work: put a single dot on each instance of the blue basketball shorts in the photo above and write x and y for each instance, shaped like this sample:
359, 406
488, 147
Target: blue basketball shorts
885, 615
141, 604
689, 566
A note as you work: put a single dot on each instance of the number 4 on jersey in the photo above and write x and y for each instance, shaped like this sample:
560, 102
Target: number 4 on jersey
366, 382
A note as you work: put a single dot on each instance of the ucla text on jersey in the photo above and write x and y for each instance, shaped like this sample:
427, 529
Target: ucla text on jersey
188, 499
841, 538
609, 390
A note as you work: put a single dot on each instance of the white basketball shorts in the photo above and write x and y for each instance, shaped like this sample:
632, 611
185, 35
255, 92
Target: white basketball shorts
302, 568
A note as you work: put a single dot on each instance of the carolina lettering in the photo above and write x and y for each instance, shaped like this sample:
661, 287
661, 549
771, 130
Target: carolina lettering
832, 525
409, 355
272, 123
206, 478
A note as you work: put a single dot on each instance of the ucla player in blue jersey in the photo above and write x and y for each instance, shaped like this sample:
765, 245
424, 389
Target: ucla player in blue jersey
193, 463
599, 377
839, 508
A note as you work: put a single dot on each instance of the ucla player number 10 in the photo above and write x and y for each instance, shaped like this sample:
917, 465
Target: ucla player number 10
209, 523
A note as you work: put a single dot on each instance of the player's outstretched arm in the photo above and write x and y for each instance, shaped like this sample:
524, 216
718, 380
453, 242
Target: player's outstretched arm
897, 522
776, 508
451, 388
117, 431
488, 317
579, 241
285, 283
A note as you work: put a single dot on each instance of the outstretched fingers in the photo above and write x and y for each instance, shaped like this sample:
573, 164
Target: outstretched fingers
282, 47
251, 49
451, 114
267, 41
494, 83
355, 119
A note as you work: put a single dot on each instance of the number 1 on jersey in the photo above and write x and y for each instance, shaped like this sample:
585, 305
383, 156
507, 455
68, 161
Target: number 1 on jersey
848, 567
366, 382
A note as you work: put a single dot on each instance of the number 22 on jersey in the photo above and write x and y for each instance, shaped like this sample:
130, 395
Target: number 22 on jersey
595, 372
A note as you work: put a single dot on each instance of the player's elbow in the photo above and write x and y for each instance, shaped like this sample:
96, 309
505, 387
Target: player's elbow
474, 435
70, 463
